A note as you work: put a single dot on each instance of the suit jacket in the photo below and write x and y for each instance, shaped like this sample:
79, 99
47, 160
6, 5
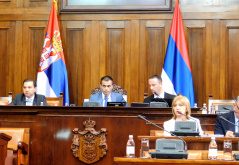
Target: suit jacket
221, 126
170, 126
115, 97
20, 99
166, 96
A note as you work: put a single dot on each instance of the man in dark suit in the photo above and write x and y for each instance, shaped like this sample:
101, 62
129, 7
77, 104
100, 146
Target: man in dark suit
156, 86
223, 127
29, 97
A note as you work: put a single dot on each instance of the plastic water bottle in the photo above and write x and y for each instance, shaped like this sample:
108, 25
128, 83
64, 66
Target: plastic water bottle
195, 105
130, 147
212, 153
204, 108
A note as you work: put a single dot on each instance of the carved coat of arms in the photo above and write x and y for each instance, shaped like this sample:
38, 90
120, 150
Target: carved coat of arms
89, 145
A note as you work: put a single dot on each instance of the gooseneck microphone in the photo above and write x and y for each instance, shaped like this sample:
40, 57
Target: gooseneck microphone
197, 125
161, 98
185, 146
228, 121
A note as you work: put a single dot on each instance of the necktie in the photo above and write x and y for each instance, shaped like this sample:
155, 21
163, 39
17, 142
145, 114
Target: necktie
106, 100
28, 101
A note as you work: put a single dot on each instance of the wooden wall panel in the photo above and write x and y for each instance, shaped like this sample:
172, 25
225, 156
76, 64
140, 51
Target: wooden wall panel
4, 56
195, 52
75, 57
33, 40
7, 47
115, 55
129, 47
233, 76
195, 33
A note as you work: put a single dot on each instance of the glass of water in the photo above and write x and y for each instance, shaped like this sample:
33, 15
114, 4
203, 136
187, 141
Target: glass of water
227, 150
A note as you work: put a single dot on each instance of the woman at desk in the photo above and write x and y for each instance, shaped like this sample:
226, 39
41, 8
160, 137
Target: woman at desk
181, 112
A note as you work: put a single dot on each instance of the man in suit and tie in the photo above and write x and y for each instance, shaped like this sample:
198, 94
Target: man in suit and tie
106, 94
29, 97
225, 128
156, 86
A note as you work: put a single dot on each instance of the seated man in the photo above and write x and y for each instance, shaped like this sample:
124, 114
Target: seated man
106, 94
28, 97
225, 128
156, 86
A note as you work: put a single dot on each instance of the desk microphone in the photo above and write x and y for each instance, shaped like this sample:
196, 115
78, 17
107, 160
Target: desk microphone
230, 109
161, 98
192, 119
185, 146
228, 121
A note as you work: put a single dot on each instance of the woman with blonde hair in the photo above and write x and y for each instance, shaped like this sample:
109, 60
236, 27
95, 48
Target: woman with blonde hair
181, 112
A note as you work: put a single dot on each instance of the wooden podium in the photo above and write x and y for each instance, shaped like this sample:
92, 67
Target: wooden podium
4, 138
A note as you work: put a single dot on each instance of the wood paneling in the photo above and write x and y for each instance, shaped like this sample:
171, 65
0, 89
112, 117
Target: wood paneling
51, 129
233, 66
196, 56
129, 47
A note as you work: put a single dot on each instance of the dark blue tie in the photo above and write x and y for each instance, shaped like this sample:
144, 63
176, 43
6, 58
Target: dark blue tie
106, 100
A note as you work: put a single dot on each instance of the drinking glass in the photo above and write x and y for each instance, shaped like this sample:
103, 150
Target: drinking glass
144, 151
227, 150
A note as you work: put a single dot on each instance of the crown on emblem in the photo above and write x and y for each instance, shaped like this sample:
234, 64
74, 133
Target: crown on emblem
89, 123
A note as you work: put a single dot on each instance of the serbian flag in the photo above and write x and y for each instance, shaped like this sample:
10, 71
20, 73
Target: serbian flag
52, 74
176, 73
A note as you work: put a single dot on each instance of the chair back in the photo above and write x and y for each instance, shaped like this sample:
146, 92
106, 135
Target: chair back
55, 101
18, 146
219, 104
6, 100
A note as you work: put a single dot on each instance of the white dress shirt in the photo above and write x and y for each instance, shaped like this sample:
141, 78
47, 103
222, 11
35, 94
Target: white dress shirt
30, 103
103, 98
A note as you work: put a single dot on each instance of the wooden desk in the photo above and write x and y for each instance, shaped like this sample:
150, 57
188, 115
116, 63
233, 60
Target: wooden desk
195, 143
200, 159
138, 161
51, 128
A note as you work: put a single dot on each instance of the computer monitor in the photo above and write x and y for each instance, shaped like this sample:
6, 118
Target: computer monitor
169, 101
116, 104
91, 104
139, 104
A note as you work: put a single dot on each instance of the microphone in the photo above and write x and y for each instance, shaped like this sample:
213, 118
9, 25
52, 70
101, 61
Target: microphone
197, 125
228, 121
226, 108
161, 98
185, 144
230, 109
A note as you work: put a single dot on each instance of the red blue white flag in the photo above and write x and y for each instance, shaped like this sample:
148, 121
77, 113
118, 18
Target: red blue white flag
176, 74
52, 74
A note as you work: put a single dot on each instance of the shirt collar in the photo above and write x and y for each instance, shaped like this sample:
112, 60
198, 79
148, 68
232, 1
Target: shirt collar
103, 96
31, 98
160, 96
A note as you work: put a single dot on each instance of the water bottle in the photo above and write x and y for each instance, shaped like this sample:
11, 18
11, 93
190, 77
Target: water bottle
130, 147
212, 153
204, 108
